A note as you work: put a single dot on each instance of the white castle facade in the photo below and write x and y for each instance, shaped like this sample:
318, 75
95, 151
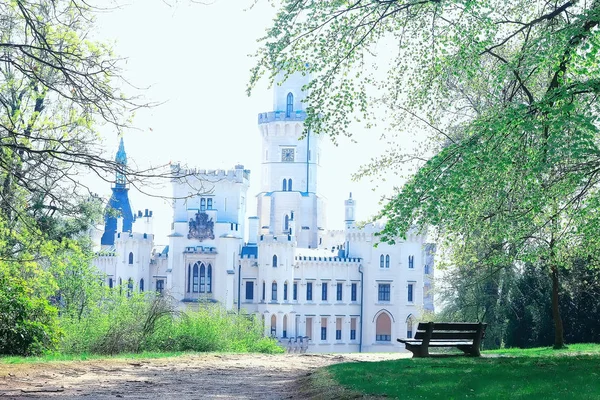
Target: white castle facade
334, 287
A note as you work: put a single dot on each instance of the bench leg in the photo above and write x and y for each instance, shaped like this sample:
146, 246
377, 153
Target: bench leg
418, 351
470, 350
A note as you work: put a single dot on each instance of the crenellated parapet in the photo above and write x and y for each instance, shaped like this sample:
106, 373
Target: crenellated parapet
281, 116
236, 175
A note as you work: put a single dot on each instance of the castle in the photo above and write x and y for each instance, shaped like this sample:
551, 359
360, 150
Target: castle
332, 286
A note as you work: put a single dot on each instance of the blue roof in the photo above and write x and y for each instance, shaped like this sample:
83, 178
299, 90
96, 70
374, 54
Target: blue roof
165, 250
118, 205
249, 251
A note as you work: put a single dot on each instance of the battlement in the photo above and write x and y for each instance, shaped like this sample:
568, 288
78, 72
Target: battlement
276, 238
237, 174
121, 236
200, 250
329, 259
281, 116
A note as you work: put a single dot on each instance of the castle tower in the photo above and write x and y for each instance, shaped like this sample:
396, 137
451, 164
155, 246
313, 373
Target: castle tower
118, 205
350, 206
290, 167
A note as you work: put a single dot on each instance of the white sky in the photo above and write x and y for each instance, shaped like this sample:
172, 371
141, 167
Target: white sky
195, 59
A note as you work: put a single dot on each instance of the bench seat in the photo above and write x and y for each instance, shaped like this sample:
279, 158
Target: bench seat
464, 336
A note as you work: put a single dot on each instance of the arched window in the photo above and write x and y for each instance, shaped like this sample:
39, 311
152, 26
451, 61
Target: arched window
285, 291
195, 279
284, 185
129, 287
141, 285
273, 325
411, 261
286, 223
383, 328
202, 278
209, 279
130, 258
290, 185
274, 291
203, 204
209, 204
274, 261
381, 261
290, 105
409, 326
263, 292
110, 283
284, 333
189, 277
387, 260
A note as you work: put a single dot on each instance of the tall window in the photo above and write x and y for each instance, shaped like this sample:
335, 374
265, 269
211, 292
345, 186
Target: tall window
411, 261
202, 278
352, 328
130, 258
309, 291
411, 287
189, 276
110, 283
290, 105
141, 285
286, 223
353, 292
209, 204
384, 292
285, 286
338, 295
324, 291
289, 185
263, 291
295, 291
203, 204
160, 286
338, 329
274, 291
274, 261
249, 290
381, 261
409, 326
129, 287
195, 279
387, 260
323, 328
209, 279
383, 328
284, 188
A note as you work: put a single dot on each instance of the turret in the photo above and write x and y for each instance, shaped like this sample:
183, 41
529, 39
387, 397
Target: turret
350, 211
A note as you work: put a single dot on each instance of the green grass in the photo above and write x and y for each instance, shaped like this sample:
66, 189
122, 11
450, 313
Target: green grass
85, 356
513, 374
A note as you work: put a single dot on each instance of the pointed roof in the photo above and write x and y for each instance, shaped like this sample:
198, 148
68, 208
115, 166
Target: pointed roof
121, 156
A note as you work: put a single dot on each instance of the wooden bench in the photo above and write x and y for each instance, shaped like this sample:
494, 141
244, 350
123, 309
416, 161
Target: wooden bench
465, 336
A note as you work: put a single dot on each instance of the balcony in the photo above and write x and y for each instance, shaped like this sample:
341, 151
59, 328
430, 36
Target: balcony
274, 116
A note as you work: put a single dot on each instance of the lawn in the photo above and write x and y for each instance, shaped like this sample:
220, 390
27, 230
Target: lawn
507, 374
84, 357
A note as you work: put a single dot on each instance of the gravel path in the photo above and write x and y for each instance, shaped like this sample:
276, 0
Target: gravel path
203, 376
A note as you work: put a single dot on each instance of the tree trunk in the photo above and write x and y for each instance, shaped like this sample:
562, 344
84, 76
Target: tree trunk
559, 341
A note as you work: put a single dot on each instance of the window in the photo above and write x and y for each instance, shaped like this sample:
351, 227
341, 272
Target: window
353, 292
209, 279
381, 261
411, 261
203, 204
274, 261
286, 223
202, 278
209, 204
383, 328
387, 260
427, 269
338, 295
309, 329
384, 292
195, 279
409, 326
410, 292
338, 329
290, 185
189, 277
120, 286
324, 291
160, 286
141, 285
295, 291
110, 283
285, 285
284, 186
130, 258
249, 290
309, 291
289, 107
263, 291
352, 328
274, 291
273, 325
323, 328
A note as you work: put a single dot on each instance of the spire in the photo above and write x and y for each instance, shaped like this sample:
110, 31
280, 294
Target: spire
121, 160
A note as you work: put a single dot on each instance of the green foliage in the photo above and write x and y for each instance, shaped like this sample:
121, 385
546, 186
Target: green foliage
519, 375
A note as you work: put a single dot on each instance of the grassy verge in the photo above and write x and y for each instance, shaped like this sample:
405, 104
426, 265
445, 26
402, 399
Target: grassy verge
573, 373
85, 356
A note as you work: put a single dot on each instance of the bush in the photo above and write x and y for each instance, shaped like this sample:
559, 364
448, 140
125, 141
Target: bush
28, 324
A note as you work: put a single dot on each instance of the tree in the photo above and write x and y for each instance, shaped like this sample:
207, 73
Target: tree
508, 91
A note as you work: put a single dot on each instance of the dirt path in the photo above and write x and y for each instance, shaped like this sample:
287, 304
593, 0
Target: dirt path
205, 376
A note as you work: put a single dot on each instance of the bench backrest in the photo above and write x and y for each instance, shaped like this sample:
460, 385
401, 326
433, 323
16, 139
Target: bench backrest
452, 331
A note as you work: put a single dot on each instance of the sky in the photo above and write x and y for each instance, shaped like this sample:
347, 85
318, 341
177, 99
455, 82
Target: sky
194, 60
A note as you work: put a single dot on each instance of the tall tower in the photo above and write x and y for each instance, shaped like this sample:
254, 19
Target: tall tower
290, 167
118, 205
